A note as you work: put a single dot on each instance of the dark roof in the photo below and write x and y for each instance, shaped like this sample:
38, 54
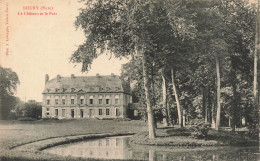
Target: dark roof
110, 83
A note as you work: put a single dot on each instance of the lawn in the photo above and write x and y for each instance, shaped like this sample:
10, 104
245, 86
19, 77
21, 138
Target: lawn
15, 133
21, 140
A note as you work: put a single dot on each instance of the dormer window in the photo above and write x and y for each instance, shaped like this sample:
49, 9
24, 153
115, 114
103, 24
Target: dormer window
108, 88
56, 89
48, 90
72, 89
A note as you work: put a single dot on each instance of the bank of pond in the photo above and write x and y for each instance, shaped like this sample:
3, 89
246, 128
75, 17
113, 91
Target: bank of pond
121, 148
170, 144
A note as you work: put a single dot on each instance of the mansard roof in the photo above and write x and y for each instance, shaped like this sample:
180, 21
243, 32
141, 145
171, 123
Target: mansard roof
83, 84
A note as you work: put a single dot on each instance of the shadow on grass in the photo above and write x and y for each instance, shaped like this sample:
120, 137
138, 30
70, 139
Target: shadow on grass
172, 136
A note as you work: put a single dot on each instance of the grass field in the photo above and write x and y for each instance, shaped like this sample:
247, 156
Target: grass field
21, 140
15, 133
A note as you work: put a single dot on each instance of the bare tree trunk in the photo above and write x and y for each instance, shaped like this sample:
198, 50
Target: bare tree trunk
150, 115
234, 106
153, 96
183, 118
177, 100
164, 101
209, 106
218, 95
213, 124
257, 44
204, 97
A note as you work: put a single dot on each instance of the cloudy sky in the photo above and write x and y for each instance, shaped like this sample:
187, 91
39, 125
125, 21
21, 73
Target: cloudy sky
42, 44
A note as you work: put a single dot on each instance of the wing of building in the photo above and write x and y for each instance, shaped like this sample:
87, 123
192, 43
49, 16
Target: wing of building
85, 97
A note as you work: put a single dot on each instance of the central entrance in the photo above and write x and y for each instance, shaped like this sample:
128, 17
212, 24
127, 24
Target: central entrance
90, 112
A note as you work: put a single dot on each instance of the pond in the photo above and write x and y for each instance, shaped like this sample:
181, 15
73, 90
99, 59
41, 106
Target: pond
119, 148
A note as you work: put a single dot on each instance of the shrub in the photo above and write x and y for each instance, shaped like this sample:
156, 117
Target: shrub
200, 129
51, 118
123, 119
26, 119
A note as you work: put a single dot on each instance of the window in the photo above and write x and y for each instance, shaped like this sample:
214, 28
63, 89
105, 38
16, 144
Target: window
91, 101
117, 112
100, 143
107, 142
116, 101
48, 102
63, 112
63, 101
107, 111
81, 101
117, 141
72, 113
81, 113
72, 101
100, 111
56, 112
100, 101
107, 101
47, 109
56, 101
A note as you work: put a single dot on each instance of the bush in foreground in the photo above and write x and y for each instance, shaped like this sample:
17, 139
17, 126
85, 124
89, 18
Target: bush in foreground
200, 129
26, 119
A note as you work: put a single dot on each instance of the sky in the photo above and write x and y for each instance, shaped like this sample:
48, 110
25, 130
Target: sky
43, 44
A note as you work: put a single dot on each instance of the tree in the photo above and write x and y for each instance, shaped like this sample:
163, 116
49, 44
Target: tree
123, 29
256, 54
32, 109
8, 84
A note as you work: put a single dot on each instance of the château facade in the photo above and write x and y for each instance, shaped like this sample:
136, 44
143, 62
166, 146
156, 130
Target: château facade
85, 97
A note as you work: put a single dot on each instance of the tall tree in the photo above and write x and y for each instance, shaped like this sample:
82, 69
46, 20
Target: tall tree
8, 83
256, 55
123, 28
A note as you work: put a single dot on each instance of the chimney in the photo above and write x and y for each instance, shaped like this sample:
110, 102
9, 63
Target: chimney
97, 75
58, 78
112, 74
46, 78
72, 76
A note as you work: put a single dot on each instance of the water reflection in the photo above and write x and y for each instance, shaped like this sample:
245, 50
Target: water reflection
119, 148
